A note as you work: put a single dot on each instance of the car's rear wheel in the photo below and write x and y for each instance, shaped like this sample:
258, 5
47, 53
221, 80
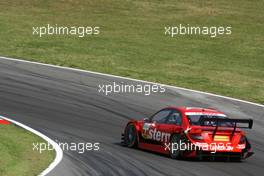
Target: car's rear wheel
130, 136
175, 152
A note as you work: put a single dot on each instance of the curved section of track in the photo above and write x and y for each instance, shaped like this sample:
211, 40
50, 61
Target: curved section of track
66, 106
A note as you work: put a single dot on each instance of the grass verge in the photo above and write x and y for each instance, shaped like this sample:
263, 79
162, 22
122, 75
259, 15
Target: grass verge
16, 152
132, 41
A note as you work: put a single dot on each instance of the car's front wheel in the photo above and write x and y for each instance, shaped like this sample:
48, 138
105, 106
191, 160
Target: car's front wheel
130, 136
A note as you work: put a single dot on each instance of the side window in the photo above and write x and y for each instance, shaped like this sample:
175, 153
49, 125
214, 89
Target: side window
175, 118
161, 117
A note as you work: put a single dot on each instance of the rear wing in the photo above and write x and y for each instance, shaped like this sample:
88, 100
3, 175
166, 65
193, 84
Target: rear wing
234, 123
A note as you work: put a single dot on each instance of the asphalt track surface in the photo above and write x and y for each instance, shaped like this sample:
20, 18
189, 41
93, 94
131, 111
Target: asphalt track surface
66, 106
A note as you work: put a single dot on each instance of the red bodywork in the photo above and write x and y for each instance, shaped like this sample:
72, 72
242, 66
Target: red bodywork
213, 140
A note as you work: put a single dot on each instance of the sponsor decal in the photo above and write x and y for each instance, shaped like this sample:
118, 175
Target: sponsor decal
221, 138
150, 132
241, 146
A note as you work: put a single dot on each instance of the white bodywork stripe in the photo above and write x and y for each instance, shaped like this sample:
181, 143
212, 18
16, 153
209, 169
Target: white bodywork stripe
205, 113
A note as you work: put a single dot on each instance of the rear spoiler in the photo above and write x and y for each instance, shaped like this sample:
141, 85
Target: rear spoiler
234, 121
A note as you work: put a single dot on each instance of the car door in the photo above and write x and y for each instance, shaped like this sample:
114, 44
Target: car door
171, 125
151, 129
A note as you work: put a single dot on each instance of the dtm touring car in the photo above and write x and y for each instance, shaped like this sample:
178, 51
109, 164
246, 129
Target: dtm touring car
188, 132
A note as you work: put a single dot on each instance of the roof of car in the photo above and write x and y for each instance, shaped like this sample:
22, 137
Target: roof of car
197, 109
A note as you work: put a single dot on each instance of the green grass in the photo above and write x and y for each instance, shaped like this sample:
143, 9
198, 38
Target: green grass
132, 41
17, 156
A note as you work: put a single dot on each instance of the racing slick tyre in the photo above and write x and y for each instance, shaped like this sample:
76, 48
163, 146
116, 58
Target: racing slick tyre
130, 136
175, 152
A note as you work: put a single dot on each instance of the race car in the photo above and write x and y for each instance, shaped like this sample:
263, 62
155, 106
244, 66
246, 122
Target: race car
190, 132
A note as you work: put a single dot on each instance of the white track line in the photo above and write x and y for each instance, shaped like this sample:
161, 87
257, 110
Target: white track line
121, 77
59, 152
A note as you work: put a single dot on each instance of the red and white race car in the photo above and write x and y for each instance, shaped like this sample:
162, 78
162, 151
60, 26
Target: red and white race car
190, 132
